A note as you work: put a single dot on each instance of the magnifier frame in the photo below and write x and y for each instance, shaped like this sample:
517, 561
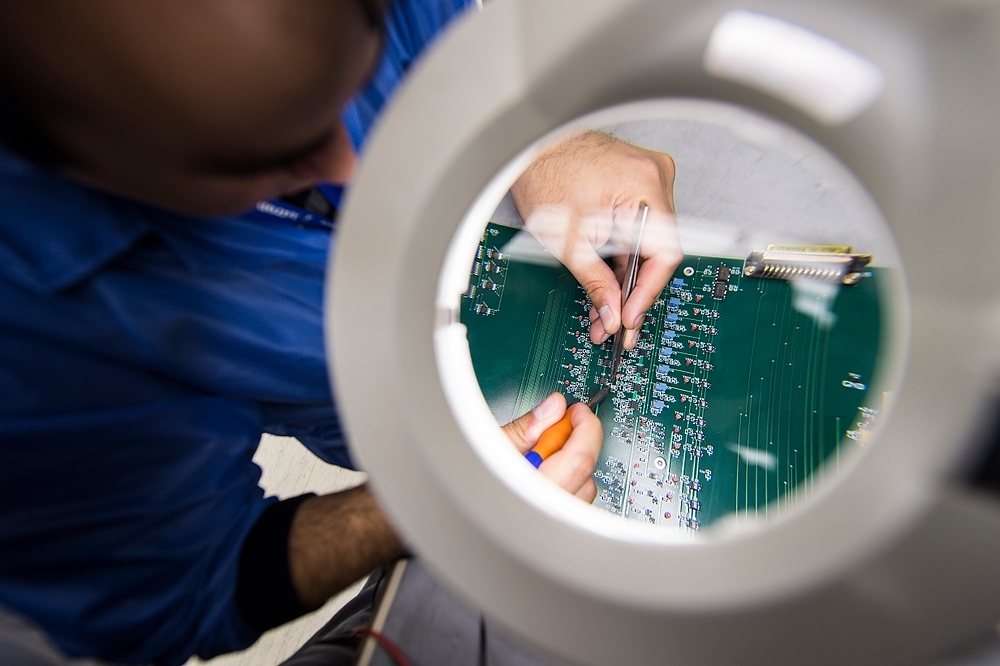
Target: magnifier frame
478, 425
497, 84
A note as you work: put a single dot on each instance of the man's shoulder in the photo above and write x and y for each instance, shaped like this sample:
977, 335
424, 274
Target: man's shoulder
53, 231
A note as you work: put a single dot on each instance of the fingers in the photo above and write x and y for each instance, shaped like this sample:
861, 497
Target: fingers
584, 193
588, 493
524, 431
572, 466
661, 253
574, 242
598, 280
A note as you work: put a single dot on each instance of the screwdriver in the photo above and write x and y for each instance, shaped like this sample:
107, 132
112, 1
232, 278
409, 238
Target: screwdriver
556, 435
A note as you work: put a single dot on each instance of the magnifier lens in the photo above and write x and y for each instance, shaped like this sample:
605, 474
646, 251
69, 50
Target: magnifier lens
759, 324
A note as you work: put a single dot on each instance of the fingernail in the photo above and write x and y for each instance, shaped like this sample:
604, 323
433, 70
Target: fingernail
605, 338
631, 335
546, 408
607, 318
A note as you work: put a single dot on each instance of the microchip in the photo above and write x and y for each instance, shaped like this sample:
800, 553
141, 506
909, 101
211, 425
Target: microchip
723, 273
719, 290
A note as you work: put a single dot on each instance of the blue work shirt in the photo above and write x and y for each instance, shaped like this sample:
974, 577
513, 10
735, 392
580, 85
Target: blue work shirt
142, 354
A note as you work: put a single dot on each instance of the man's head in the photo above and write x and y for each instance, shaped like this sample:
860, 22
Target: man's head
197, 106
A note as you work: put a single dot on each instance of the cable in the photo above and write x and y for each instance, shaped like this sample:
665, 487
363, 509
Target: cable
483, 656
386, 644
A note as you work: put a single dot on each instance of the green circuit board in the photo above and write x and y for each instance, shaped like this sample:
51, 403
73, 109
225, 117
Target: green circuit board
738, 389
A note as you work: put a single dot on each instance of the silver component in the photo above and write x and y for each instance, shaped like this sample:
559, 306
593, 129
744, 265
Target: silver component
819, 266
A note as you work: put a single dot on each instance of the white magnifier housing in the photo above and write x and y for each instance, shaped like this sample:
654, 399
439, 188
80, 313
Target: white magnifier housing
894, 560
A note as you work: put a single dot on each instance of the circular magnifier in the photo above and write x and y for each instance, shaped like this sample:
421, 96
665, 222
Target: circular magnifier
767, 287
760, 468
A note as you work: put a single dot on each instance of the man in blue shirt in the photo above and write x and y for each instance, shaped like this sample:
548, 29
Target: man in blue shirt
148, 337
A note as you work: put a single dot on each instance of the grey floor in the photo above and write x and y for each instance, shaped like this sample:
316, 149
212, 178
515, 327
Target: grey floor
290, 470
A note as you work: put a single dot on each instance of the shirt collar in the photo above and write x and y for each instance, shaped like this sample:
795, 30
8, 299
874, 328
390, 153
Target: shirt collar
55, 232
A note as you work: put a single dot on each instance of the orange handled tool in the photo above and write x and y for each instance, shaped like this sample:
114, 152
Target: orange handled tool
556, 435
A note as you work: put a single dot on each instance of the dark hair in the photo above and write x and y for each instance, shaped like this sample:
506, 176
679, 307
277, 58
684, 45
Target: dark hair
374, 11
21, 132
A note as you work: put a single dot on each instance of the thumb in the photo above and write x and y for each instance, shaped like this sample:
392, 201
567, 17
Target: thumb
525, 430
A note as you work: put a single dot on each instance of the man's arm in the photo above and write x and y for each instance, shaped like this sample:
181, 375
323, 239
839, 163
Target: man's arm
304, 550
335, 540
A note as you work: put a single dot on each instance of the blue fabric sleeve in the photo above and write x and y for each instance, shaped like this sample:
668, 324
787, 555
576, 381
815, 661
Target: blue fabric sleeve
121, 529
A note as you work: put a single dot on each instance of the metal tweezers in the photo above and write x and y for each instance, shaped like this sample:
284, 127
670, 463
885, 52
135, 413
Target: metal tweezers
628, 284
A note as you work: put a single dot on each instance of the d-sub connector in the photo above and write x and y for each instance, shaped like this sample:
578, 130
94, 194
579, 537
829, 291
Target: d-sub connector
820, 266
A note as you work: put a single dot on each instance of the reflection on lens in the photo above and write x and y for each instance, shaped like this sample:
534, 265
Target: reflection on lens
752, 367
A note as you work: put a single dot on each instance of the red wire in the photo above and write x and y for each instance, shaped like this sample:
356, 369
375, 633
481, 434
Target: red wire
387, 644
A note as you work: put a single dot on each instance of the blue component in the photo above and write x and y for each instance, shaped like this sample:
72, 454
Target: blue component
533, 458
656, 407
677, 283
660, 388
669, 335
666, 351
674, 302
671, 318
662, 370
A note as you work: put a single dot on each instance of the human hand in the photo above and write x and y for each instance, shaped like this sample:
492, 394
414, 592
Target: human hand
583, 195
572, 466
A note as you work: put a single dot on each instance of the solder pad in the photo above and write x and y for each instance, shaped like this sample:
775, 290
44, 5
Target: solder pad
734, 395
